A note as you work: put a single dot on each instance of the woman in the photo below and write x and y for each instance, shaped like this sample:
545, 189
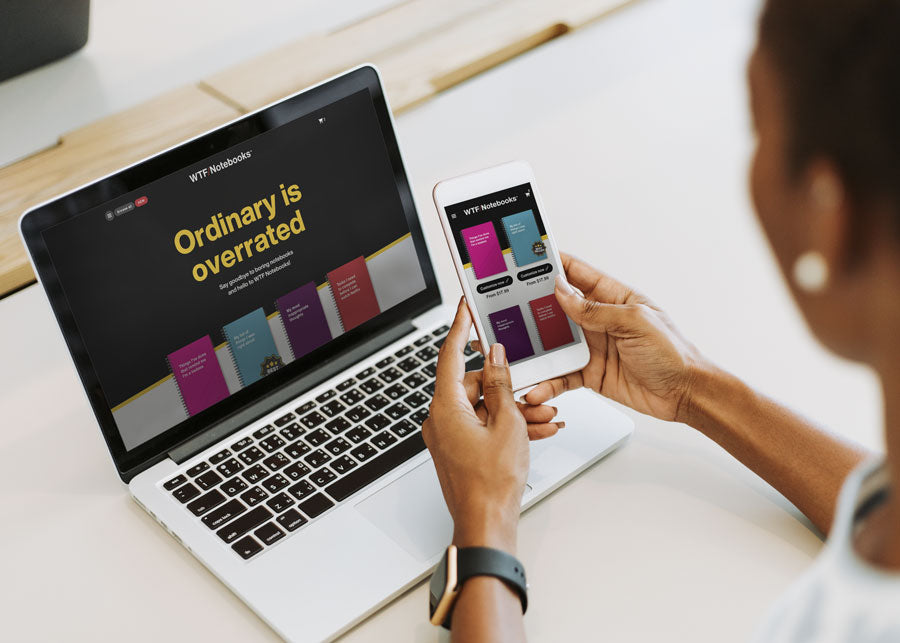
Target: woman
825, 97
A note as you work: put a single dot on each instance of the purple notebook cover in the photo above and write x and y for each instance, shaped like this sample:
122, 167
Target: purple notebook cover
198, 375
509, 330
484, 250
304, 319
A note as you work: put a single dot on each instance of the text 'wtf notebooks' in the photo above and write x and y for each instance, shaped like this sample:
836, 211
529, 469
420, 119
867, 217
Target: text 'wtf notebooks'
304, 319
198, 375
551, 321
484, 250
353, 293
252, 346
509, 330
524, 238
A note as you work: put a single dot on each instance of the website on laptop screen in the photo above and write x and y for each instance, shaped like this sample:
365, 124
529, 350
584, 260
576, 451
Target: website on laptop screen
208, 280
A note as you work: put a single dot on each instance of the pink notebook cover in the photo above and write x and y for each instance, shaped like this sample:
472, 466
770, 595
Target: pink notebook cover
552, 323
484, 250
198, 375
353, 293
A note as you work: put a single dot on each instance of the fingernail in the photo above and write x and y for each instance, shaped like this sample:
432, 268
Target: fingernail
560, 425
563, 285
498, 355
555, 410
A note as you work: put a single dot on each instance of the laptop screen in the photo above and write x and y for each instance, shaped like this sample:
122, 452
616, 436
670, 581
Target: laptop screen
234, 273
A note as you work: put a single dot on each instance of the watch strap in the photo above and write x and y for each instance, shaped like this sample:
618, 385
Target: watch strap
486, 561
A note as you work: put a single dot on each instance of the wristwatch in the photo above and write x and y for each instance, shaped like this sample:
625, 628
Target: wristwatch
459, 565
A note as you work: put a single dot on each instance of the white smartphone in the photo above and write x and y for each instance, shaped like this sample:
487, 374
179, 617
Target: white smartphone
507, 262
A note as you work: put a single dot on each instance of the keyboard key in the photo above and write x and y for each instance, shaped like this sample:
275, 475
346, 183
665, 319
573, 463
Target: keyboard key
337, 425
229, 467
208, 480
416, 399
312, 420
218, 457
292, 431
403, 428
254, 496
263, 432
283, 420
306, 408
234, 486
302, 489
440, 332
317, 437
276, 483
396, 411
206, 502
269, 533
177, 481
242, 444
343, 386
297, 449
187, 492
467, 350
317, 458
364, 451
430, 369
369, 372
240, 526
255, 474
429, 389
475, 364
316, 505
324, 397
197, 469
322, 477
251, 455
352, 396
439, 342
247, 547
347, 485
223, 514
296, 471
279, 502
377, 422
291, 520
409, 364
337, 446
357, 434
343, 464
276, 461
427, 353
272, 443
406, 350
357, 414
332, 408
383, 440
387, 360
396, 391
422, 341
390, 374
414, 380
419, 416
377, 402
370, 386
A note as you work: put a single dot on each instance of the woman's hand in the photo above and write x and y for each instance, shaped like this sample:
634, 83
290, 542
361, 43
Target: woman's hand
480, 450
638, 357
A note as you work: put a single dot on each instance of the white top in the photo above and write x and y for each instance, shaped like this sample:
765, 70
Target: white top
842, 597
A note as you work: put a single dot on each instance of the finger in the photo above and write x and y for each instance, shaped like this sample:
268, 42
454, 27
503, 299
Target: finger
475, 345
498, 395
595, 284
451, 364
537, 414
472, 384
542, 431
595, 315
546, 391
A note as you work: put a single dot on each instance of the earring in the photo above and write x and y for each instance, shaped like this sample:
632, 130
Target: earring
811, 272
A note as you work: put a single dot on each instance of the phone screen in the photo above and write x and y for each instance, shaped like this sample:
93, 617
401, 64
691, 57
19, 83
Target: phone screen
509, 265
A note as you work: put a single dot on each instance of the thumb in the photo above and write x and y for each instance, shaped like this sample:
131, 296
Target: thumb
590, 314
498, 395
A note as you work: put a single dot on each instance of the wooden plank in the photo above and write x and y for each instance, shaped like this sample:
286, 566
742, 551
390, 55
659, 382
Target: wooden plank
94, 151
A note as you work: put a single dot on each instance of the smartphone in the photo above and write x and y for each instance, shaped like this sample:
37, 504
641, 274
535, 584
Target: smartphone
507, 262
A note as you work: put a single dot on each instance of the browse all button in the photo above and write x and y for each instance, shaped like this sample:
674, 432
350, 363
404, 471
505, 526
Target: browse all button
141, 200
125, 207
537, 271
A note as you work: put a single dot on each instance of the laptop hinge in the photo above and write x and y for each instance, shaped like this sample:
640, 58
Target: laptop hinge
191, 447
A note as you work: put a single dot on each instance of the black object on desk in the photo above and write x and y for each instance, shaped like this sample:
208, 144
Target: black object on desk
36, 32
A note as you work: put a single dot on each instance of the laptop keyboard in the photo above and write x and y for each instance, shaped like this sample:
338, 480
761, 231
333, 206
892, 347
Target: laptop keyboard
275, 480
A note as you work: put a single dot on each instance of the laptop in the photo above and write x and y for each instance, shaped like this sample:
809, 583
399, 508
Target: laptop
255, 318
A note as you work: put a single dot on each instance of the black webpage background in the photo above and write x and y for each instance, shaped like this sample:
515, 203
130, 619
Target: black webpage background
133, 295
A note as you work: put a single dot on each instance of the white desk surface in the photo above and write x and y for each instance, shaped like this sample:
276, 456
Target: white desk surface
638, 131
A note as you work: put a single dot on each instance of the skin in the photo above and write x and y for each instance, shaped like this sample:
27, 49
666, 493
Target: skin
639, 358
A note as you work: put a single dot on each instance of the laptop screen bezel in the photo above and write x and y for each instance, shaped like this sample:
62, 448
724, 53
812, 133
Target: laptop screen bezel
34, 222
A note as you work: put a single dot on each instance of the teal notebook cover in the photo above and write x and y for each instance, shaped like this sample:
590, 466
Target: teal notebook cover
524, 238
252, 346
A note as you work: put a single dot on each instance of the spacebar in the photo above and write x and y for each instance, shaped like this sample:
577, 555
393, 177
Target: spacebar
375, 468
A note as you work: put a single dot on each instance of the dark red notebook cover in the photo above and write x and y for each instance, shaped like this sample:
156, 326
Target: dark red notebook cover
353, 293
552, 323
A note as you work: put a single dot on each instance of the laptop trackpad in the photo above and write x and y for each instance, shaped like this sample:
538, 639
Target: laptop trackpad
411, 511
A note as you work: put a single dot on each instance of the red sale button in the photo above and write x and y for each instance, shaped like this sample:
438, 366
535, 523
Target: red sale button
140, 201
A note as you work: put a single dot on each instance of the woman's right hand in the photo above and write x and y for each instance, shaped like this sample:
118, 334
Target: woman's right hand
638, 357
